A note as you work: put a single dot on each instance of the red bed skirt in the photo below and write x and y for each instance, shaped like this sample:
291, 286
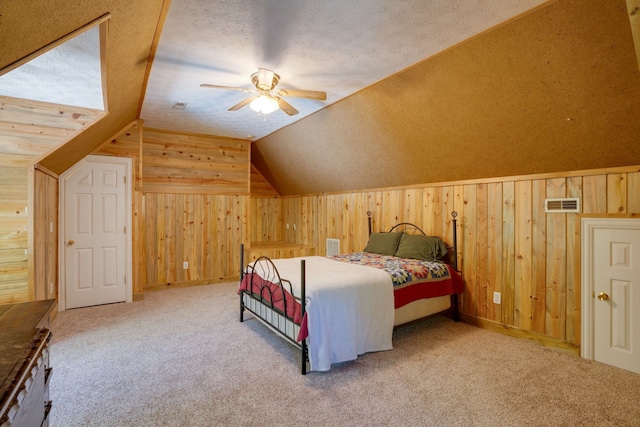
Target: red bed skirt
420, 289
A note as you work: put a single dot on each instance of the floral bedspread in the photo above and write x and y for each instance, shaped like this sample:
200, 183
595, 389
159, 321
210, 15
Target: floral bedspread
401, 270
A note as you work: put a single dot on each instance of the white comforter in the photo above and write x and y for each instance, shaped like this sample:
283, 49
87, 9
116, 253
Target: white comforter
350, 308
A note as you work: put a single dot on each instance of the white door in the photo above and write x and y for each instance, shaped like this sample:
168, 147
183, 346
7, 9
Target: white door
615, 294
94, 231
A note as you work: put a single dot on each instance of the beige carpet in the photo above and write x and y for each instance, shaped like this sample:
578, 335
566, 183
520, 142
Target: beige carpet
182, 358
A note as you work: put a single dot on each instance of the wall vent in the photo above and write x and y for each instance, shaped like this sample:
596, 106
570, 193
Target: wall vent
562, 205
333, 247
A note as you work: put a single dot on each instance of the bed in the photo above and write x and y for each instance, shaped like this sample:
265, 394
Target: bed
336, 308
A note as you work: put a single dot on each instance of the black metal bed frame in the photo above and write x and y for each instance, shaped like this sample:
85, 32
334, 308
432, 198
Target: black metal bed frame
263, 309
277, 320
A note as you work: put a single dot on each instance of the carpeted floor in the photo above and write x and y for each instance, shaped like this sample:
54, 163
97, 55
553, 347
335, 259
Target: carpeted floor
182, 358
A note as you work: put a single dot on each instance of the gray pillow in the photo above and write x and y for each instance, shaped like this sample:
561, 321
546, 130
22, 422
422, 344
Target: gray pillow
383, 243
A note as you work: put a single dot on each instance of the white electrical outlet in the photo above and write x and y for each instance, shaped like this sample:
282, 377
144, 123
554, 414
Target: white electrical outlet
294, 227
287, 226
185, 265
497, 297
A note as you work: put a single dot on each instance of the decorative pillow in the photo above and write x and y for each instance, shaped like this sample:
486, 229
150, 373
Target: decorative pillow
426, 248
383, 243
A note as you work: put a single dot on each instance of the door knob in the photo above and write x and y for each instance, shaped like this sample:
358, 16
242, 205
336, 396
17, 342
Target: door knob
70, 243
602, 296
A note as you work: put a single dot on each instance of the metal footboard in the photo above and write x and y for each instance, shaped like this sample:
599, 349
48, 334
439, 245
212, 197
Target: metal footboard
260, 304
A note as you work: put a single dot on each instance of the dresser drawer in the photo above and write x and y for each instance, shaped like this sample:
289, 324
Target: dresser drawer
27, 406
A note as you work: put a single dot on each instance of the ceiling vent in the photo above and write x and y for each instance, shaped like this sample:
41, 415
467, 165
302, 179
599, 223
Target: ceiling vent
562, 205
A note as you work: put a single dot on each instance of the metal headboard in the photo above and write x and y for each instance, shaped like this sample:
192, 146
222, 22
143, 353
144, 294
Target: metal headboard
409, 228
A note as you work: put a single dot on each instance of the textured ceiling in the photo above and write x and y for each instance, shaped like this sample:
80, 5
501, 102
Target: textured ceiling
335, 46
69, 74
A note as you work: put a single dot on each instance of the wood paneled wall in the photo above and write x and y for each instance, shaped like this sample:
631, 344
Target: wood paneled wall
23, 142
204, 230
506, 241
194, 164
190, 203
44, 237
259, 186
13, 233
31, 128
28, 235
267, 221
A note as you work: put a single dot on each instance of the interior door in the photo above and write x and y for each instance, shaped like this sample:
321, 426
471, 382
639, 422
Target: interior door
616, 304
95, 235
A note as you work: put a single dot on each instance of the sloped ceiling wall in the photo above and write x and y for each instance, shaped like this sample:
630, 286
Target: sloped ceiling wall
29, 25
555, 90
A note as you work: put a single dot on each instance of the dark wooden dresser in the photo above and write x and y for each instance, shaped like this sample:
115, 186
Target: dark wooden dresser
24, 363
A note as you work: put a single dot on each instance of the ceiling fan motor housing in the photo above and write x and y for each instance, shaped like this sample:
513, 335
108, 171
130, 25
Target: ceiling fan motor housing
265, 79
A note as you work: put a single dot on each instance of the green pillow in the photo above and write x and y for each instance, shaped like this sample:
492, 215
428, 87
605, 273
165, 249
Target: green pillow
383, 243
427, 248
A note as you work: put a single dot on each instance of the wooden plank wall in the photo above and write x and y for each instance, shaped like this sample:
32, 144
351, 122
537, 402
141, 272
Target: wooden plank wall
13, 232
267, 223
507, 243
204, 230
44, 238
190, 203
194, 164
23, 142
31, 128
260, 186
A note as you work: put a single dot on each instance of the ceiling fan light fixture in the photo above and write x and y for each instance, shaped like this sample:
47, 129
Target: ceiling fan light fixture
264, 104
266, 99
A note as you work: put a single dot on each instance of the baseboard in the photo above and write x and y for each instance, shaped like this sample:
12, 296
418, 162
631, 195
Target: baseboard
188, 284
512, 331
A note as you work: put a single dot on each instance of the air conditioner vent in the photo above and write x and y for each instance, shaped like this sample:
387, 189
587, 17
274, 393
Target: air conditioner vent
333, 247
562, 205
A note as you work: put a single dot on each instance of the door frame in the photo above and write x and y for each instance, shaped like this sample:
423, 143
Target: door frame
126, 161
588, 225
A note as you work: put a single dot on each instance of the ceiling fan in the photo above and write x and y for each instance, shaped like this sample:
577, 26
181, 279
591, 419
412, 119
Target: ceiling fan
267, 99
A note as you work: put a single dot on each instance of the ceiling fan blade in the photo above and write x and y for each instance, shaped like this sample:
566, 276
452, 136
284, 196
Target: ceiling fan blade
226, 87
286, 107
241, 104
311, 94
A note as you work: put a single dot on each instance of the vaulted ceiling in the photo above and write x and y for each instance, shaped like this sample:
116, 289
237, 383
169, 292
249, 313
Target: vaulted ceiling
416, 91
333, 46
